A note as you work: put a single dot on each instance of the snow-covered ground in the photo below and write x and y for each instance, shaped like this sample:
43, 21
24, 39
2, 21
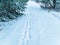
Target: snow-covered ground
38, 27
13, 32
44, 25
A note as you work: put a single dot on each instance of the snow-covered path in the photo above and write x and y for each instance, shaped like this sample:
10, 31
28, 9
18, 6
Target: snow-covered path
44, 27
38, 27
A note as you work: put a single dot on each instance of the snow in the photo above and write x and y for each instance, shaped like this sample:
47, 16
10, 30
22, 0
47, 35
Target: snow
11, 34
56, 14
37, 27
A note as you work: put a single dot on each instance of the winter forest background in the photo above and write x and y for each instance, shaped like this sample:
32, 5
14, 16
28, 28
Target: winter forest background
29, 22
11, 9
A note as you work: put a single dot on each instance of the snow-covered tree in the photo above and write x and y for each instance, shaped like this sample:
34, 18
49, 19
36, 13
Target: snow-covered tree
49, 3
11, 9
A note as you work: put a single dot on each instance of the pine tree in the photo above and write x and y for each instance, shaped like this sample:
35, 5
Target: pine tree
11, 9
50, 3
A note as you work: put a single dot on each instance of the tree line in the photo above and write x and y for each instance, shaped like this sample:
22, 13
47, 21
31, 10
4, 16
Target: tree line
52, 3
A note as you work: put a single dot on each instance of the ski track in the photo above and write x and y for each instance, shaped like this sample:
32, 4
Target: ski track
44, 27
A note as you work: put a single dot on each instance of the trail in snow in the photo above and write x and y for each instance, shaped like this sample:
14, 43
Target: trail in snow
44, 27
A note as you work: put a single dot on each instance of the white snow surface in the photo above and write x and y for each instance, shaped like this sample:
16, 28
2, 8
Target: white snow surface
37, 27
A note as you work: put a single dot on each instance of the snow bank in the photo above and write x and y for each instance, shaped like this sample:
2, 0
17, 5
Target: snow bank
56, 14
12, 31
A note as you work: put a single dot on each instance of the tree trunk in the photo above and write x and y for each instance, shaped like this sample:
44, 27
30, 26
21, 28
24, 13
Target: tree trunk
54, 4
